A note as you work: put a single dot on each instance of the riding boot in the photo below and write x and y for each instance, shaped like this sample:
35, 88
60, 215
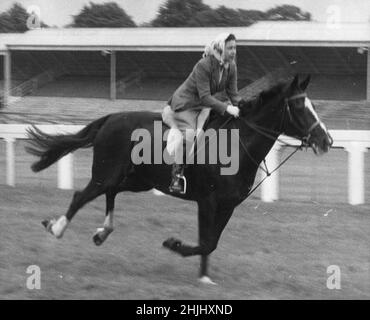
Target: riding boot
178, 183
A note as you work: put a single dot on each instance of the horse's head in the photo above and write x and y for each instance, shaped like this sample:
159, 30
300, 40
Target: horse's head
297, 116
301, 120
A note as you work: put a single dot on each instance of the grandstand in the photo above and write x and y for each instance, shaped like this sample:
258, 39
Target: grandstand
55, 71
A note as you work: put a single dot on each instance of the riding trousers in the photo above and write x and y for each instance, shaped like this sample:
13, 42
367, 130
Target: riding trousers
185, 127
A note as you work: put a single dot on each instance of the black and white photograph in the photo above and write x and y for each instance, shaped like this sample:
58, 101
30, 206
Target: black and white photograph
184, 150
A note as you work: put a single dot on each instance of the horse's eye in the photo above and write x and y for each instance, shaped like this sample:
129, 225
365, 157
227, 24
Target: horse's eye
299, 105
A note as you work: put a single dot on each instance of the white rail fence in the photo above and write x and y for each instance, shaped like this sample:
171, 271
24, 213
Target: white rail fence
355, 142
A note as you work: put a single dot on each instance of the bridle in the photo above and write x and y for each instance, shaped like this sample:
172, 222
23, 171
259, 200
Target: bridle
306, 135
273, 135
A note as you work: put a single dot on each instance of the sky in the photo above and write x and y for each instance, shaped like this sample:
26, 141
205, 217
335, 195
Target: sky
59, 12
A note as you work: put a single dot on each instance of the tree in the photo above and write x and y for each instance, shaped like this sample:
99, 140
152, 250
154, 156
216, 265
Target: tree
178, 13
220, 17
287, 12
18, 16
15, 20
194, 13
252, 16
107, 15
205, 18
6, 24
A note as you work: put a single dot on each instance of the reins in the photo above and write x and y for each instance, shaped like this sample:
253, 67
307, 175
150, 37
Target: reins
268, 133
266, 170
274, 136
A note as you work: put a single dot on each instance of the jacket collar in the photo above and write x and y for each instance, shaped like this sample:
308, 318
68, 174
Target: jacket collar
215, 70
216, 63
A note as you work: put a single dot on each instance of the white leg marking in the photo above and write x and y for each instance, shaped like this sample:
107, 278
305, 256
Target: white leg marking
108, 222
59, 226
102, 233
207, 280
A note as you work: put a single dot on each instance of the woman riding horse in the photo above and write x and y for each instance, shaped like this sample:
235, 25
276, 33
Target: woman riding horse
284, 108
211, 85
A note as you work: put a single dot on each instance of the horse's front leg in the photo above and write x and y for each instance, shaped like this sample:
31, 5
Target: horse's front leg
208, 236
182, 249
221, 219
206, 226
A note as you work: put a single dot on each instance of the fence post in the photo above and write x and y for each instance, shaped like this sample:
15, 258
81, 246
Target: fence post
356, 185
368, 76
10, 162
270, 187
65, 172
7, 77
113, 84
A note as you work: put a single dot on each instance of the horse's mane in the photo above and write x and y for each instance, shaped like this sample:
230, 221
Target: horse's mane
273, 90
253, 104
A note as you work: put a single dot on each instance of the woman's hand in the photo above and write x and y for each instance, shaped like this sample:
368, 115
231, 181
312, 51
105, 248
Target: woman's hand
234, 111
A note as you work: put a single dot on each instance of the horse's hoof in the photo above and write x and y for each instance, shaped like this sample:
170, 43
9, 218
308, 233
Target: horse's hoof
207, 280
48, 224
101, 235
97, 240
172, 243
45, 223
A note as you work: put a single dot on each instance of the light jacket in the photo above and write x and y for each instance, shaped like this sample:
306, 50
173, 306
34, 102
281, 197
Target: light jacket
202, 88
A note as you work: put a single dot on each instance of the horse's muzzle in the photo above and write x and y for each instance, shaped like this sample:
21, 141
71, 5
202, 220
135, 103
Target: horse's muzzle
321, 141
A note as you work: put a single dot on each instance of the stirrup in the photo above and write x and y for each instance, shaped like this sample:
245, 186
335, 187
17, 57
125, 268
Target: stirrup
184, 180
182, 191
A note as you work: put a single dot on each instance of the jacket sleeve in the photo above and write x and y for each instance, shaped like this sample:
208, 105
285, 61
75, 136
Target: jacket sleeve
232, 85
203, 78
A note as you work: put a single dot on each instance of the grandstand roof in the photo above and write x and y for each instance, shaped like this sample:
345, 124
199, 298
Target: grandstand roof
279, 33
6, 38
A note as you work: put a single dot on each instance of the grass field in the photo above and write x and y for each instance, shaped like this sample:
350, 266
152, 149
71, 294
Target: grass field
268, 251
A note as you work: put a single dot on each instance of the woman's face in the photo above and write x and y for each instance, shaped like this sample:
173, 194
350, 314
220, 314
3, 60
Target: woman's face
230, 50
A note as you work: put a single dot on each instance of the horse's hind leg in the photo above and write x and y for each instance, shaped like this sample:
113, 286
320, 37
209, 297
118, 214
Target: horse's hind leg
80, 198
102, 233
131, 183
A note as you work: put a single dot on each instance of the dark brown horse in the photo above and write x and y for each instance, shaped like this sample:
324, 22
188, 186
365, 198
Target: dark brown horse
284, 108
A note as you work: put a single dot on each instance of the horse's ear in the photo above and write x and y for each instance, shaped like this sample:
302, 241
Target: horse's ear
304, 83
295, 81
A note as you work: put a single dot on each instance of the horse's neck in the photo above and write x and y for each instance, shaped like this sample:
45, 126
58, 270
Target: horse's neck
270, 118
259, 144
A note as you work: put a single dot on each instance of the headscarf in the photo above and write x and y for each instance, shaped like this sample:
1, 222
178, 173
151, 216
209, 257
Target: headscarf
217, 48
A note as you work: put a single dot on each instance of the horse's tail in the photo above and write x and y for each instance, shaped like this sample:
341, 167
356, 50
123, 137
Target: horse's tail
50, 148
